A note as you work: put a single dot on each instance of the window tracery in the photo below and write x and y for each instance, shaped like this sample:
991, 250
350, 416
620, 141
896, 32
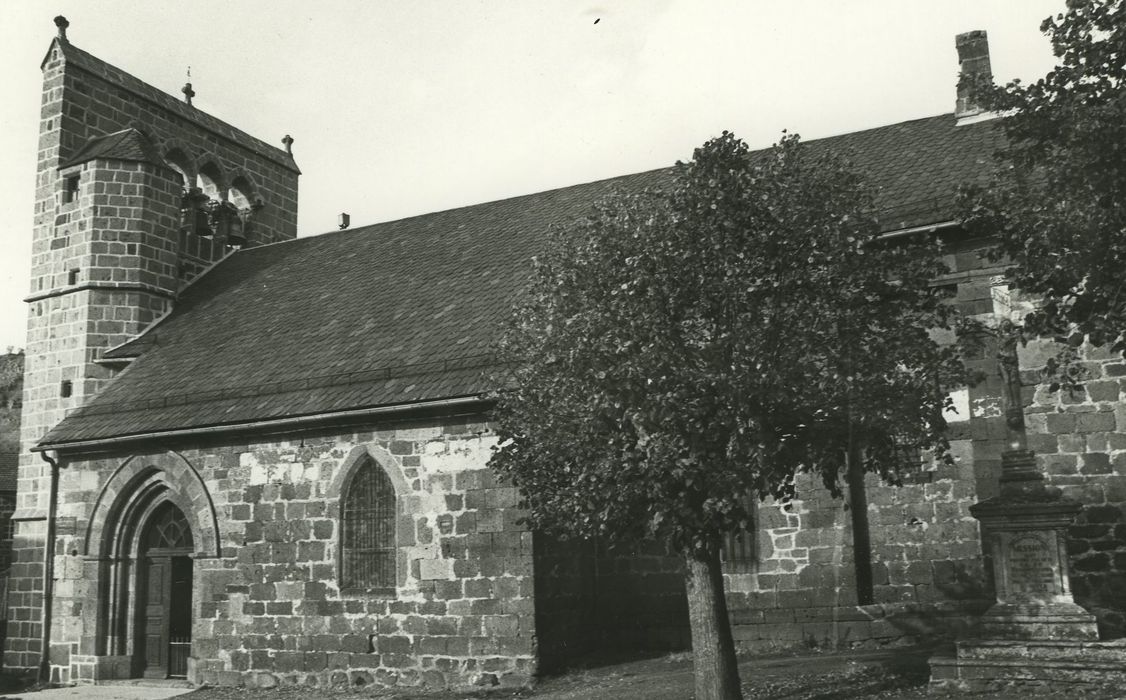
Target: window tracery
367, 542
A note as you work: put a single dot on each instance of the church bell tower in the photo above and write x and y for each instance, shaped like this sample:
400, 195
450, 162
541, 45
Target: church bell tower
137, 193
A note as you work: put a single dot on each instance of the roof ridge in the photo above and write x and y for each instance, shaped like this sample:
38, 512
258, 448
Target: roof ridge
877, 128
537, 193
450, 210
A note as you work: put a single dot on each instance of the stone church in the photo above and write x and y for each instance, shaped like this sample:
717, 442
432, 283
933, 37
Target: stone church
252, 459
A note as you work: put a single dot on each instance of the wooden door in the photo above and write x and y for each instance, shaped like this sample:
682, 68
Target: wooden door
163, 631
155, 623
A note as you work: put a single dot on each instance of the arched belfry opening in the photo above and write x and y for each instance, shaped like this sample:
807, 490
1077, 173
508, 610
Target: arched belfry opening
210, 180
179, 160
151, 524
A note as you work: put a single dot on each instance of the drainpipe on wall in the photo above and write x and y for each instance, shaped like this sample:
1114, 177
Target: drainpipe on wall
49, 567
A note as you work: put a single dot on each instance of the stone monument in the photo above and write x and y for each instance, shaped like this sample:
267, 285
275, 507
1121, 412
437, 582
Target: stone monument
1035, 633
1025, 528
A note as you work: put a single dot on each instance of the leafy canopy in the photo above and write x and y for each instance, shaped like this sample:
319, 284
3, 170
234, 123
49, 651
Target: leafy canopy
1059, 207
682, 347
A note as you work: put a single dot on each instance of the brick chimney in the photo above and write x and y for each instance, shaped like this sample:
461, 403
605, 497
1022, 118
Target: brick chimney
973, 66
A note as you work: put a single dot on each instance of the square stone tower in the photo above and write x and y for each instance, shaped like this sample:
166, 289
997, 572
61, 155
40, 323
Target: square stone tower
137, 192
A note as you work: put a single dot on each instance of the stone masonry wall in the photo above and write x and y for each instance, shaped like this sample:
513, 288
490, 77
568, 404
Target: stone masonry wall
596, 600
567, 623
927, 566
1080, 442
268, 609
642, 599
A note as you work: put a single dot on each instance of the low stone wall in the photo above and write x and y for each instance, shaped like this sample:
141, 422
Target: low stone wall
853, 627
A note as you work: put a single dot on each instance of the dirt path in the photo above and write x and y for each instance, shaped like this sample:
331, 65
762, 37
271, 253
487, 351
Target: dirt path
899, 674
822, 676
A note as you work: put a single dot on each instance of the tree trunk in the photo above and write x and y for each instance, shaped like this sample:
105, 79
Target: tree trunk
861, 533
713, 649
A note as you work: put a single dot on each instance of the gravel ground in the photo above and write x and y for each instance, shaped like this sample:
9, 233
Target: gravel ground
890, 675
97, 692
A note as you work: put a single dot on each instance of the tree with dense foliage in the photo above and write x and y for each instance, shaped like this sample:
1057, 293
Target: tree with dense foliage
683, 348
11, 390
1058, 207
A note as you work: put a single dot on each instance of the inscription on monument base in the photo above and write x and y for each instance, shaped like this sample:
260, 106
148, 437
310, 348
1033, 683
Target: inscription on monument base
1033, 570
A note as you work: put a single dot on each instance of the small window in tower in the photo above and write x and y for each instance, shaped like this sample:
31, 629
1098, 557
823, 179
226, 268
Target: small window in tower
70, 189
72, 277
66, 388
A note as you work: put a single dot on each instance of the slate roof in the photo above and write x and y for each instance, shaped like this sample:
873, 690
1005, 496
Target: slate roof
127, 144
406, 311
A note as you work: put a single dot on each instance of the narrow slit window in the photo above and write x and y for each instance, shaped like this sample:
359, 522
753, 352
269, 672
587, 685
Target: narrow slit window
70, 189
72, 277
66, 388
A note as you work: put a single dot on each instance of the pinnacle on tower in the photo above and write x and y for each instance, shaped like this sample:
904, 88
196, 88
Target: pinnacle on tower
62, 23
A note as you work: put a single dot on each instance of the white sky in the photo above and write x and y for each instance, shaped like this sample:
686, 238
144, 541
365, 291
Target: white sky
410, 107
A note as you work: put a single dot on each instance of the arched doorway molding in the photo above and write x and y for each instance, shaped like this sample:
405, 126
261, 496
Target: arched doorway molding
140, 478
115, 547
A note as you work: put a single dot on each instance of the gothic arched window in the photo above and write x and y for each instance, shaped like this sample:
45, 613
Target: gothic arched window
367, 541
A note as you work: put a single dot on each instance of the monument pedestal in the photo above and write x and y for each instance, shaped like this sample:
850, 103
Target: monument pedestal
1027, 538
1034, 634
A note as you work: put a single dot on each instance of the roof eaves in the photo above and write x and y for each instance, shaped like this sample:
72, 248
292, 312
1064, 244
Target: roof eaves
109, 147
286, 423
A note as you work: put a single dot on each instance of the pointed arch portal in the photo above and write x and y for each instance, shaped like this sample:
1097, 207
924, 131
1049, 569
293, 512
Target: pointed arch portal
152, 520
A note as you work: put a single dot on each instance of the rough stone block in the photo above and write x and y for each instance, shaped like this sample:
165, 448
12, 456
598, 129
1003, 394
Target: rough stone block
432, 569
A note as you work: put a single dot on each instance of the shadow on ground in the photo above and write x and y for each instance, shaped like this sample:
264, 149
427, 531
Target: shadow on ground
891, 674
824, 676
